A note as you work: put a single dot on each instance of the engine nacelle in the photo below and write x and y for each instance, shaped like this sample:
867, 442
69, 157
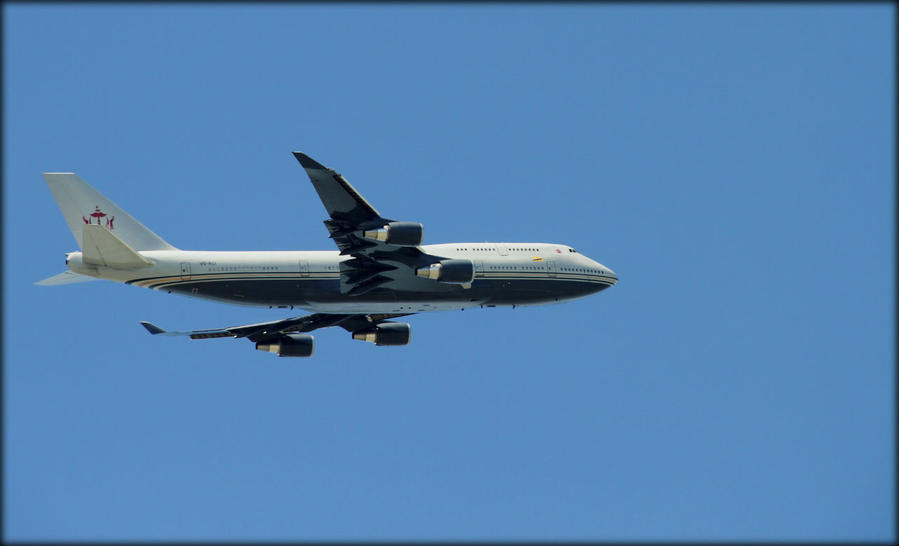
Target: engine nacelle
397, 233
452, 271
288, 345
386, 333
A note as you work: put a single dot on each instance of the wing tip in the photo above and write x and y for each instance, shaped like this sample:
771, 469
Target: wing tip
152, 328
57, 177
307, 162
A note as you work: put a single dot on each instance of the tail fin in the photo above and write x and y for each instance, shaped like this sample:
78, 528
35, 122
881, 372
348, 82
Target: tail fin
82, 205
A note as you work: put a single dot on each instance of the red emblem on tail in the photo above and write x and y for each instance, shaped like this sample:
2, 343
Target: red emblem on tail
102, 218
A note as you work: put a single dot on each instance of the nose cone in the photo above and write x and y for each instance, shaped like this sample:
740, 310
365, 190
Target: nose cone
605, 272
613, 275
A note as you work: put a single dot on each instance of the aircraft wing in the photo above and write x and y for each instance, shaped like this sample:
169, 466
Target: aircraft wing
375, 262
350, 213
263, 330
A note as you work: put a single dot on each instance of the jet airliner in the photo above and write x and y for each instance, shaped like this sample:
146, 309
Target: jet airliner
380, 271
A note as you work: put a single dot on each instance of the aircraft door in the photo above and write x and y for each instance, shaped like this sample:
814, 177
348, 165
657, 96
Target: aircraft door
304, 268
185, 271
550, 267
478, 267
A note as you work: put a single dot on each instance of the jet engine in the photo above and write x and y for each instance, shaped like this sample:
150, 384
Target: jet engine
397, 233
451, 271
386, 333
288, 345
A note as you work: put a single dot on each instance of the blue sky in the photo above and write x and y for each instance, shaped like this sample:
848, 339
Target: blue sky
732, 163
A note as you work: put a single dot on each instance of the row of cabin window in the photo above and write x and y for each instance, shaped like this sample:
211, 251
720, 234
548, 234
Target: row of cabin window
583, 270
535, 268
260, 268
511, 249
538, 268
334, 267
245, 268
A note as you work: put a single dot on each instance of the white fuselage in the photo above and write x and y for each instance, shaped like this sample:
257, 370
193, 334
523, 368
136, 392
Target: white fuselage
505, 274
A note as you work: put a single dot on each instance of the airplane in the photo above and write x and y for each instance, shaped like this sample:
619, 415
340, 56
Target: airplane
380, 271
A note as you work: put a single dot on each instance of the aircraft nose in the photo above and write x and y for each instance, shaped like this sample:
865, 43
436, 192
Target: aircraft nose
613, 275
605, 273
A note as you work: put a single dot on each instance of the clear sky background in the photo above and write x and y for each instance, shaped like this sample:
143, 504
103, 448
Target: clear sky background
732, 163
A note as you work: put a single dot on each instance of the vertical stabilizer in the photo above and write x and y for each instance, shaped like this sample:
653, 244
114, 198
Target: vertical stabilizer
82, 205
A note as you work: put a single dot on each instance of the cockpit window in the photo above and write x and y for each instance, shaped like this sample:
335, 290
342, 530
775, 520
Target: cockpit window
572, 250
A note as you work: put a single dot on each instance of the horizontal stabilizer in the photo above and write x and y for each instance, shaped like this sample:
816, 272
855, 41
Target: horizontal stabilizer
194, 334
66, 277
152, 328
101, 247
